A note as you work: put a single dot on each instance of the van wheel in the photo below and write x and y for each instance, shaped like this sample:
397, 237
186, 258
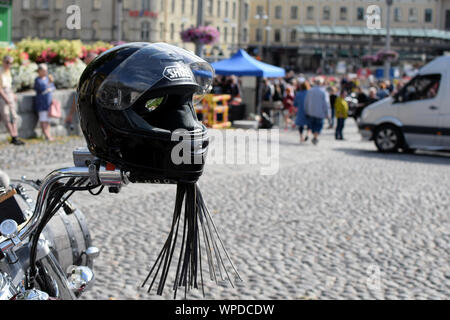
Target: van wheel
388, 138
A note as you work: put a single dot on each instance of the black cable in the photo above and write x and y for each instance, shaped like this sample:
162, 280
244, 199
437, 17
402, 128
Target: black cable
98, 193
50, 211
57, 194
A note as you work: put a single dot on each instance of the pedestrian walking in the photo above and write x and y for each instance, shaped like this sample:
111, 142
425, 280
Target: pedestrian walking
44, 87
267, 93
333, 96
383, 92
317, 108
288, 106
341, 107
8, 101
301, 120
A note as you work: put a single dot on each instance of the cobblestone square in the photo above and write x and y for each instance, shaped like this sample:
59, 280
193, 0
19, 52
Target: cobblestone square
338, 221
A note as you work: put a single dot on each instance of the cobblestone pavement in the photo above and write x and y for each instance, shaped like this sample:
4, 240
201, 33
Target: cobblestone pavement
338, 221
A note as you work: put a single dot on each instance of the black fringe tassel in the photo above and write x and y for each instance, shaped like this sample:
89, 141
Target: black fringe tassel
198, 224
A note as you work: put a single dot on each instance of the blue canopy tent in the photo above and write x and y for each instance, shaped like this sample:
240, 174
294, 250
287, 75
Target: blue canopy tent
242, 64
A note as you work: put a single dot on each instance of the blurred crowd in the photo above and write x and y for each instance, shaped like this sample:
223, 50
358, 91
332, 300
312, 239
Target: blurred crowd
230, 85
310, 103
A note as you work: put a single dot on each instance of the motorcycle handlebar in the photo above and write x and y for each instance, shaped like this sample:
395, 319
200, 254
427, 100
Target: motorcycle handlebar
103, 176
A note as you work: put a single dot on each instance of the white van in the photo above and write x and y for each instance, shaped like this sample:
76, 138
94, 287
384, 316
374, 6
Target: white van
417, 117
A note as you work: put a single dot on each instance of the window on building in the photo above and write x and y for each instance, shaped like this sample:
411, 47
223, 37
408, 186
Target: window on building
145, 31
397, 14
310, 13
45, 5
360, 14
234, 10
209, 7
41, 27
125, 30
259, 10
183, 6
161, 31
277, 35
233, 34
192, 7
57, 28
145, 5
326, 14
412, 16
258, 35
225, 34
58, 4
219, 3
97, 4
126, 4
95, 30
447, 19
226, 9
26, 4
293, 35
25, 28
245, 11
244, 35
173, 6
343, 13
172, 31
278, 12
294, 12
428, 15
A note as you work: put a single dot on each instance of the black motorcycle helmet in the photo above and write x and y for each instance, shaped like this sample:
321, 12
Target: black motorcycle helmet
136, 109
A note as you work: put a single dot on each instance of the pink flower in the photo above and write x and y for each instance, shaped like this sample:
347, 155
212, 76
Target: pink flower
202, 34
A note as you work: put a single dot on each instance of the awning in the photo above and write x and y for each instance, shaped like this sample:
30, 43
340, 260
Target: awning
341, 30
356, 31
401, 32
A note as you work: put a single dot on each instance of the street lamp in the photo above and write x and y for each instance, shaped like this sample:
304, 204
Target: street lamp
387, 63
260, 18
200, 22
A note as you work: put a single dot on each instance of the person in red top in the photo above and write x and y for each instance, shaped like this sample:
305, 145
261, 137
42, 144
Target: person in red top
288, 107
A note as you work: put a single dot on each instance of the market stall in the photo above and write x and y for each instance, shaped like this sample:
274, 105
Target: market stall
242, 64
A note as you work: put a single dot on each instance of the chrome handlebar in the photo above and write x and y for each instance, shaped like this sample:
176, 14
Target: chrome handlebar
102, 176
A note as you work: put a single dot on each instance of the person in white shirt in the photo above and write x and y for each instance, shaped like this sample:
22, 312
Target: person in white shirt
8, 101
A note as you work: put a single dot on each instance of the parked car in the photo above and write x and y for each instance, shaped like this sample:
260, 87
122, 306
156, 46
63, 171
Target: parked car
417, 117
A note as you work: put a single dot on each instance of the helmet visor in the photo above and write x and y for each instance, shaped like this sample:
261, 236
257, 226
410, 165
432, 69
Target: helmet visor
152, 65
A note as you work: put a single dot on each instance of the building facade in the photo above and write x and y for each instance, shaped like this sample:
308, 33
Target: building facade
135, 20
303, 35
306, 35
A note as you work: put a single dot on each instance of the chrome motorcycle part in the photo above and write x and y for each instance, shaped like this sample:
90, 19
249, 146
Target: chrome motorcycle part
80, 278
92, 252
53, 270
33, 294
9, 229
82, 157
69, 238
7, 289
